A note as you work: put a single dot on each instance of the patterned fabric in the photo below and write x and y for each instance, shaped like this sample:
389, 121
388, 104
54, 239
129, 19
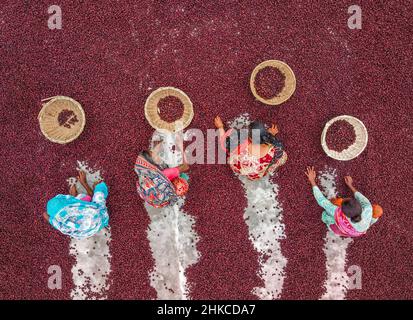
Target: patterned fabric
243, 163
77, 218
84, 197
343, 226
152, 185
181, 186
253, 167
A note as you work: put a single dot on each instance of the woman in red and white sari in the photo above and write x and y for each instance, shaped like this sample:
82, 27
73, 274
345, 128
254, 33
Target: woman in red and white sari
253, 152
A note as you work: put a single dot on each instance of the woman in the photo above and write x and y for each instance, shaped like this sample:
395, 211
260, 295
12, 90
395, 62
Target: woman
171, 173
253, 152
352, 217
159, 185
79, 215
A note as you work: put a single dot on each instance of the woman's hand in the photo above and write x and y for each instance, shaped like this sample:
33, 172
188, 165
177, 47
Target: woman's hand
73, 190
311, 175
349, 182
273, 130
218, 122
82, 177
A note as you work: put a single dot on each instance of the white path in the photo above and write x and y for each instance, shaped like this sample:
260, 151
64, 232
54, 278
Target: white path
263, 217
335, 248
92, 268
172, 238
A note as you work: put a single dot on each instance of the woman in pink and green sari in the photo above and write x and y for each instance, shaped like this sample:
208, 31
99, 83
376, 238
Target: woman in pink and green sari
352, 217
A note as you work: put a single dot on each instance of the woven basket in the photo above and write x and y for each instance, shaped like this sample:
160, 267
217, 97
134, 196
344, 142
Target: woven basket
49, 124
289, 87
356, 148
152, 113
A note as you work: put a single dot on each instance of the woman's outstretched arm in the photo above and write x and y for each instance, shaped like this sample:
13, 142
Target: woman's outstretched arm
318, 195
349, 182
219, 125
364, 202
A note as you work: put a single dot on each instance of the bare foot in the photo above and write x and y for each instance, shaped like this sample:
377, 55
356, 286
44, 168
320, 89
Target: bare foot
73, 191
82, 177
46, 216
96, 183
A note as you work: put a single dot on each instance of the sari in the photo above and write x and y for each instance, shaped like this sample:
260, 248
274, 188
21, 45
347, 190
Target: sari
251, 166
335, 219
342, 226
152, 185
78, 218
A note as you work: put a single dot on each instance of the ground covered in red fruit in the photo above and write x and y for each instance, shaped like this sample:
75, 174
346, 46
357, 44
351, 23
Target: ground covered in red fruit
110, 55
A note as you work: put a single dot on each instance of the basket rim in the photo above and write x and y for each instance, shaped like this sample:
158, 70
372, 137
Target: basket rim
289, 88
164, 125
47, 103
336, 155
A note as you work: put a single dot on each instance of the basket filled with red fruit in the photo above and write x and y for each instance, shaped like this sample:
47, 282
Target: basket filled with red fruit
272, 82
344, 138
169, 108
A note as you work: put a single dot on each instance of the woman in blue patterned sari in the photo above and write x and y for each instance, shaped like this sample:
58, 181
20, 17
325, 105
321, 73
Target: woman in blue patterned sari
77, 215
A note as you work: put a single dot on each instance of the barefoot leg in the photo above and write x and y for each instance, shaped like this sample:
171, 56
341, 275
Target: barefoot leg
46, 216
73, 191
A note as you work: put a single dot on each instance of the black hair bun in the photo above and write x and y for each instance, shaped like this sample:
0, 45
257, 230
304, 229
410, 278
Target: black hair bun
356, 219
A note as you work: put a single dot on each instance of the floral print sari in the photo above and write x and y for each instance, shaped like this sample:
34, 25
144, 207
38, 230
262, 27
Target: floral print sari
253, 166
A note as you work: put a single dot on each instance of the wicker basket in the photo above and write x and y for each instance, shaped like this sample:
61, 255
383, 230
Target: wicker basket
356, 148
289, 87
49, 123
152, 112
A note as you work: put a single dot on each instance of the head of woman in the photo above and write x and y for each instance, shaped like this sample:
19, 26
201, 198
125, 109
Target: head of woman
352, 209
257, 133
151, 157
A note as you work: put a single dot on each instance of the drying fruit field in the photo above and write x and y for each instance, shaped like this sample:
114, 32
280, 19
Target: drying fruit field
229, 238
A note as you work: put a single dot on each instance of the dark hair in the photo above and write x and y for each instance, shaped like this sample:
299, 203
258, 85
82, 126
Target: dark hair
258, 134
147, 156
352, 209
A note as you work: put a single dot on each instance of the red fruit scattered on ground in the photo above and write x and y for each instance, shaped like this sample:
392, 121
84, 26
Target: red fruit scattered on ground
111, 56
